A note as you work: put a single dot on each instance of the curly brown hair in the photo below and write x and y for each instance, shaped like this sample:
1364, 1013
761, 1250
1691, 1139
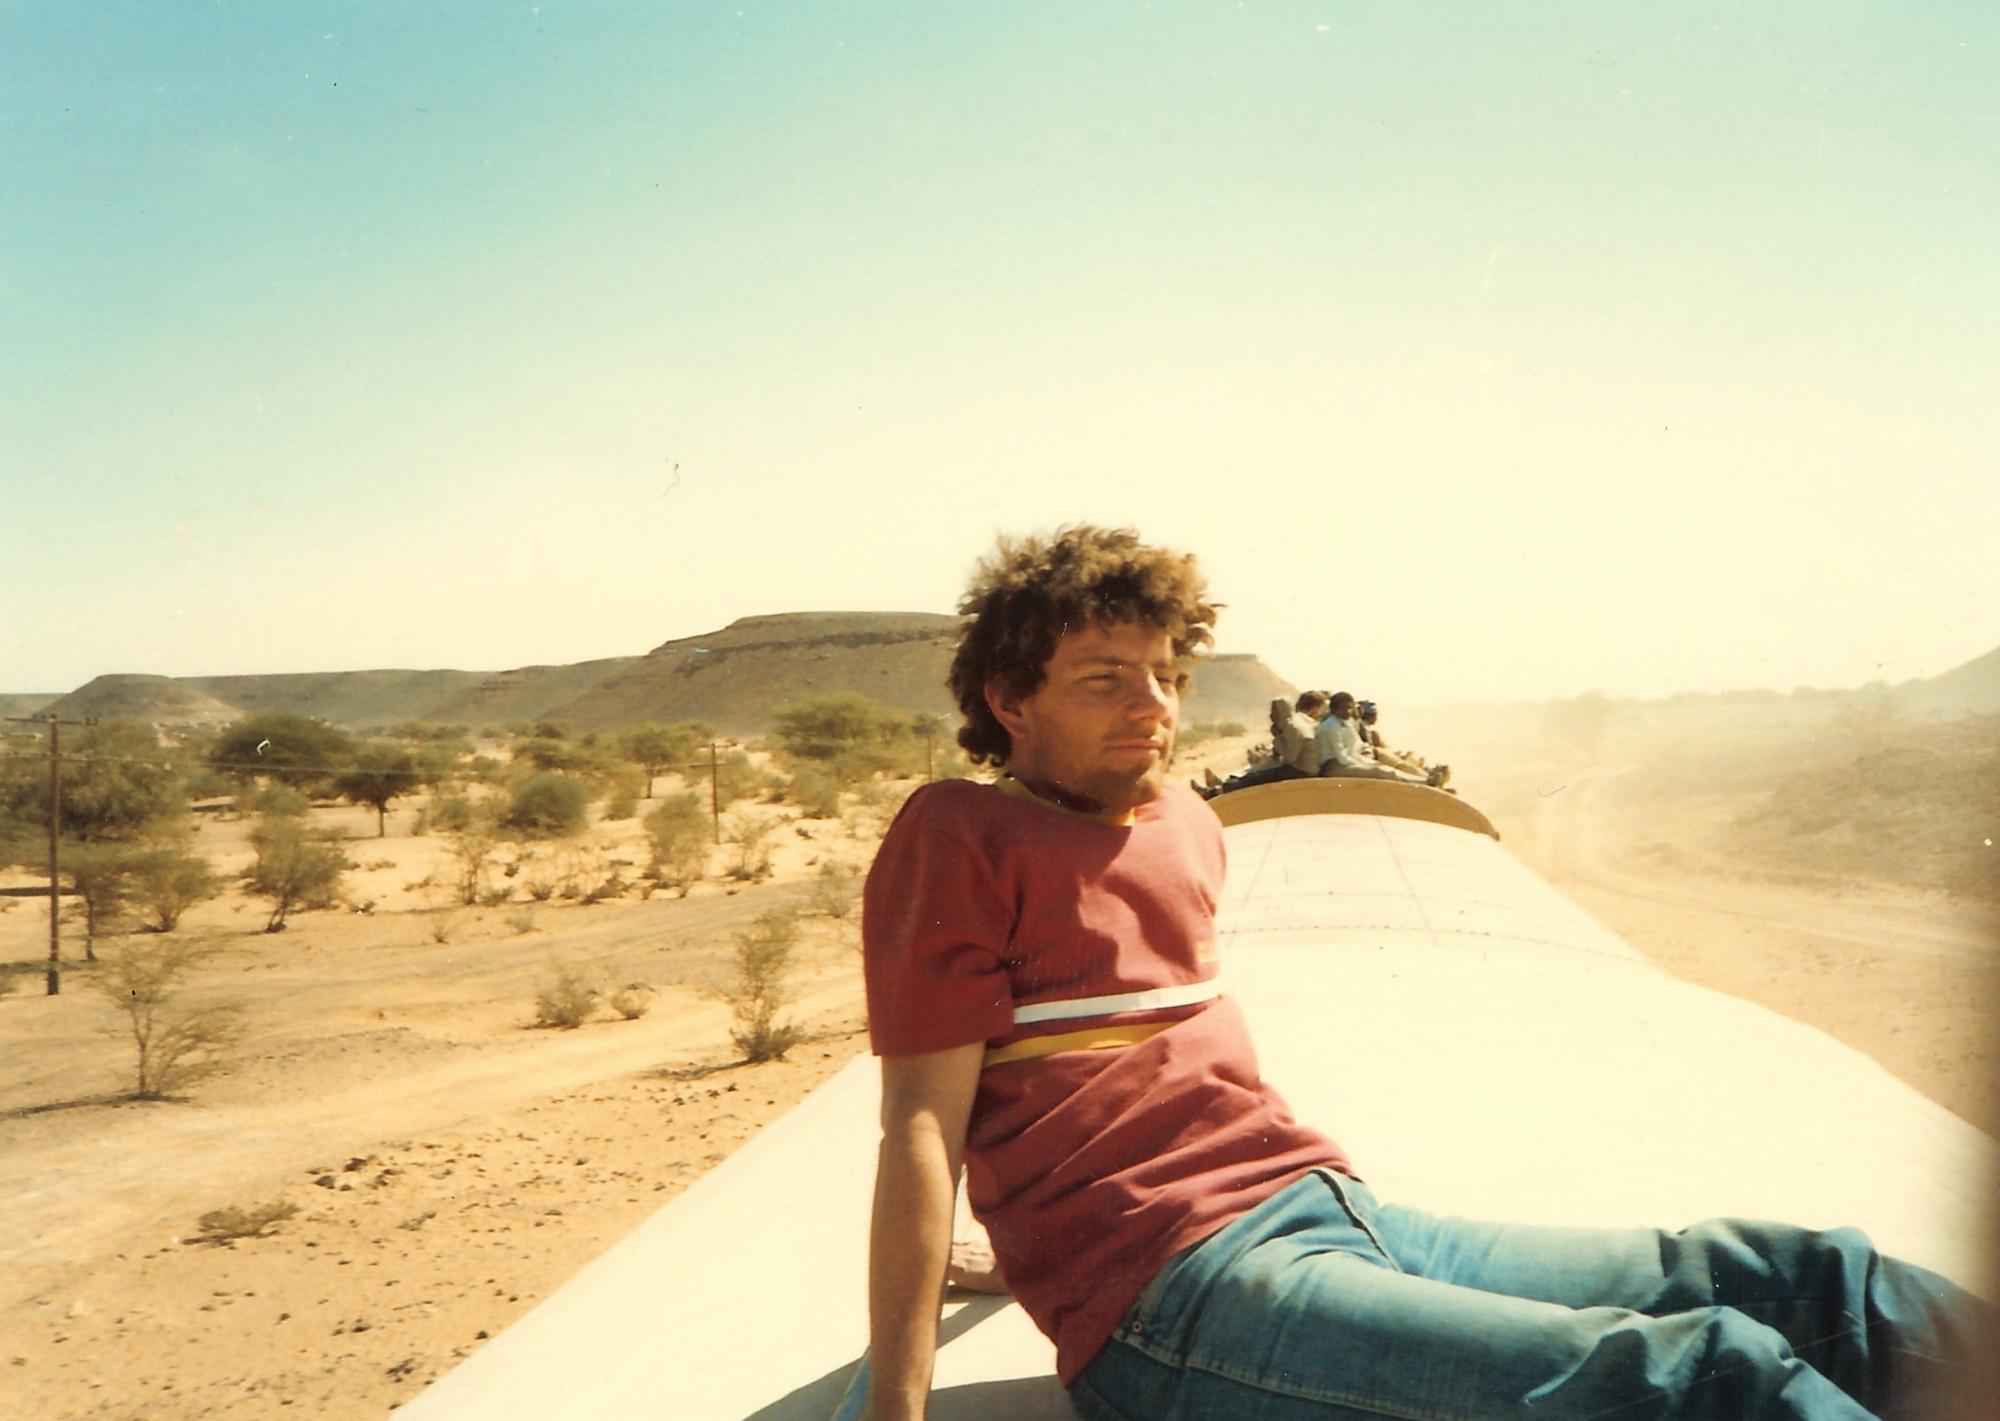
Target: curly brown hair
1030, 591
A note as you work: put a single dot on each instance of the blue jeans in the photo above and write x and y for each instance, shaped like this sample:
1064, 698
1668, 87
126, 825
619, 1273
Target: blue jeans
1322, 1303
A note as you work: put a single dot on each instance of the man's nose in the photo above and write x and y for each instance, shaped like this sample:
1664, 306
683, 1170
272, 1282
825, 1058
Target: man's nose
1151, 696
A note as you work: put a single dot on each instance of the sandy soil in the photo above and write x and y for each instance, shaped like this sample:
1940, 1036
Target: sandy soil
450, 1165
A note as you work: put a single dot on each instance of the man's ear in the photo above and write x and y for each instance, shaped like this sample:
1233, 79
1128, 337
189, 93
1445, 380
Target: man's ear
1006, 707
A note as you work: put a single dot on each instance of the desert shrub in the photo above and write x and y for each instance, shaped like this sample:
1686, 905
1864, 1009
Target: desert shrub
835, 888
679, 832
522, 919
549, 805
762, 962
176, 1044
736, 777
816, 791
750, 836
276, 801
295, 868
169, 881
541, 881
243, 1221
632, 1001
446, 811
473, 847
566, 1000
487, 770
590, 874
621, 800
442, 924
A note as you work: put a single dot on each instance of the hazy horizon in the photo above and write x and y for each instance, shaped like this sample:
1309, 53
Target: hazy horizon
1481, 355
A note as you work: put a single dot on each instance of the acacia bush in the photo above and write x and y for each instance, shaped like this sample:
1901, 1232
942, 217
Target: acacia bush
679, 832
621, 800
297, 750
816, 791
296, 867
169, 881
550, 805
855, 737
566, 1000
762, 961
750, 836
737, 777
176, 1044
836, 888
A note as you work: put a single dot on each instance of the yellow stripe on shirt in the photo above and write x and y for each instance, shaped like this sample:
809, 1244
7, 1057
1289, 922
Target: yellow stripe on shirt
1096, 1038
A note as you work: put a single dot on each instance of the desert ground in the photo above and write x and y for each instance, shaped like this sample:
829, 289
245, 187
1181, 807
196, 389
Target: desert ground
450, 1163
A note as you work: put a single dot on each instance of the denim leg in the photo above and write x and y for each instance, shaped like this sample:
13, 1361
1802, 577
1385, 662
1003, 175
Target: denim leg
1305, 1309
1887, 1333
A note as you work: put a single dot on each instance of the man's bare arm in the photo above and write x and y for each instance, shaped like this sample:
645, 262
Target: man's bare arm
926, 1102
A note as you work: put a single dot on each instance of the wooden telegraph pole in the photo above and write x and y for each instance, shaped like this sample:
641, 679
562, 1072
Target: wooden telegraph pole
55, 724
715, 791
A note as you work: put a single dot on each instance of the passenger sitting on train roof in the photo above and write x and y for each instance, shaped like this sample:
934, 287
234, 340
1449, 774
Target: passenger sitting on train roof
1378, 748
1041, 965
1342, 751
1293, 743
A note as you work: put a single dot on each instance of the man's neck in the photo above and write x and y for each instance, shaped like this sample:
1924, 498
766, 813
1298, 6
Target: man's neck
1082, 805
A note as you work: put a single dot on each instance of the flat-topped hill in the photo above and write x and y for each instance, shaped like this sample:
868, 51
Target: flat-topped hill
732, 679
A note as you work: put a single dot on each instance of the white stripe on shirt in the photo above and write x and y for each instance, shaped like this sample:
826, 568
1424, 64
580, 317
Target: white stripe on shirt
1186, 994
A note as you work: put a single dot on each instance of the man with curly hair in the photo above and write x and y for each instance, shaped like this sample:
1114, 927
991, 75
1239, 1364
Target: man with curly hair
1041, 977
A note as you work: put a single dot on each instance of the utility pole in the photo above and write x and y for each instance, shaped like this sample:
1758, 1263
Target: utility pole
714, 791
55, 724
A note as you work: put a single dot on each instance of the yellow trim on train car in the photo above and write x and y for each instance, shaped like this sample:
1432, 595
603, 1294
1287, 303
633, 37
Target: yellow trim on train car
1335, 795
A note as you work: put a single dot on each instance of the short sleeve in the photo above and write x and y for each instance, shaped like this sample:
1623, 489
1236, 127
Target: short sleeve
935, 928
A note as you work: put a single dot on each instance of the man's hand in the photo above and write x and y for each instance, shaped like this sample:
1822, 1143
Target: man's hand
973, 1267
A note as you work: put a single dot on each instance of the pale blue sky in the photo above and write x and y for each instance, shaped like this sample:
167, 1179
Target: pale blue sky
1481, 352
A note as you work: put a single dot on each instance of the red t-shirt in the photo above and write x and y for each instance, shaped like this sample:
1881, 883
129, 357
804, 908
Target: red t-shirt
1094, 1159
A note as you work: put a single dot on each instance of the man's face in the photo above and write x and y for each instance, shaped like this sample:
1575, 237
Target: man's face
1100, 729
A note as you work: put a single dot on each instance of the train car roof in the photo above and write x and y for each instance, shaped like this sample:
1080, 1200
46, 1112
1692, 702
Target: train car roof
1476, 1042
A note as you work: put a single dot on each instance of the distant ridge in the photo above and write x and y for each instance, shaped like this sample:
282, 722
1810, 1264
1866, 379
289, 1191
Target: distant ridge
27, 702
732, 679
1971, 689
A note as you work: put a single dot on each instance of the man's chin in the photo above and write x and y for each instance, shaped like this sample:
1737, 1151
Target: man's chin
1119, 793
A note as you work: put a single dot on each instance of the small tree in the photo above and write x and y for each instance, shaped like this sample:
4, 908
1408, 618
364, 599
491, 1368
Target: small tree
473, 846
294, 749
750, 835
102, 876
295, 867
169, 881
763, 966
177, 1044
679, 832
654, 748
379, 774
117, 781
